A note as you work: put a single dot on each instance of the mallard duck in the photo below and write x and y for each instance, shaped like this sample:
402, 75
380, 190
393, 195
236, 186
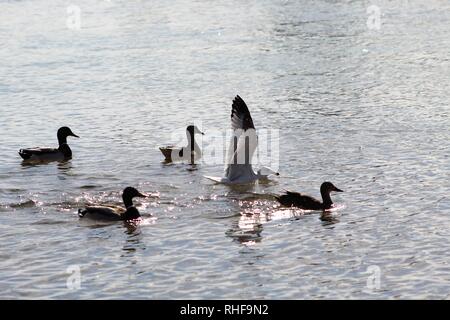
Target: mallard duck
190, 153
295, 199
115, 213
243, 144
51, 154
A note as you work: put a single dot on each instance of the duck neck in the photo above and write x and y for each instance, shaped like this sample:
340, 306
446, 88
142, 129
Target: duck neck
127, 201
192, 144
191, 140
327, 203
131, 214
65, 150
192, 147
62, 140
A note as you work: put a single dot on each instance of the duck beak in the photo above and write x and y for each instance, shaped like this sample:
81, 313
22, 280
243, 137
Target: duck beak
338, 190
74, 135
142, 195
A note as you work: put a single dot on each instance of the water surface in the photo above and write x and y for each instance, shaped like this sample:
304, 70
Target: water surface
366, 109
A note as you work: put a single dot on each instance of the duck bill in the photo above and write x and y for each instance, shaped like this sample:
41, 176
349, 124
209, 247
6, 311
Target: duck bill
142, 195
74, 135
197, 130
338, 190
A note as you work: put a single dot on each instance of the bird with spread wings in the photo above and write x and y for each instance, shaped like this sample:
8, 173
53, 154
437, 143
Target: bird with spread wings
243, 144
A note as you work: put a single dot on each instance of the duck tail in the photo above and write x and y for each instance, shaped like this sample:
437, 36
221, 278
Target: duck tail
166, 152
82, 212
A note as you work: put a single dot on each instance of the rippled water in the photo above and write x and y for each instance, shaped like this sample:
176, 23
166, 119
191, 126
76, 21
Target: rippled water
367, 109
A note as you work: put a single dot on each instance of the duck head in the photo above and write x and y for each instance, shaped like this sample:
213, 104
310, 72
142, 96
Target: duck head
325, 189
193, 130
328, 187
63, 133
129, 193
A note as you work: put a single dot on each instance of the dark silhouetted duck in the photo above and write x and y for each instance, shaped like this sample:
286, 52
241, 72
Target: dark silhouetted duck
115, 213
51, 154
190, 153
295, 199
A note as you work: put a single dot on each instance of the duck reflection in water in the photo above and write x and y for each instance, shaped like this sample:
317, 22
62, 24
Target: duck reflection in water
133, 241
247, 230
255, 210
328, 218
63, 165
259, 209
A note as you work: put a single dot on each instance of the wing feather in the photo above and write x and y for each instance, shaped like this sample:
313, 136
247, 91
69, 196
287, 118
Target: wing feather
243, 143
39, 153
103, 212
240, 115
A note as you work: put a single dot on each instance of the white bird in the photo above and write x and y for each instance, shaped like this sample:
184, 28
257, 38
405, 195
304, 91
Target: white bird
238, 169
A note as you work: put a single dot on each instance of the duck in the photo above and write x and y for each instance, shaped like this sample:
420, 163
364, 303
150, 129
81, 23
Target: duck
295, 199
244, 141
191, 152
115, 213
63, 152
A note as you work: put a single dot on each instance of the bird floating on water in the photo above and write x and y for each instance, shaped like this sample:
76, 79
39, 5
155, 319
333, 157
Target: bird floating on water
295, 199
238, 169
63, 152
191, 152
115, 213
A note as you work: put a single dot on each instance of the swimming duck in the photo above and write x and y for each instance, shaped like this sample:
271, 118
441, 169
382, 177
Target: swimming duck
295, 199
191, 152
238, 169
115, 213
50, 154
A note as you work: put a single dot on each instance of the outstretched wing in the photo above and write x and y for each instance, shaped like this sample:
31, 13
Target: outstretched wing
243, 143
240, 115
